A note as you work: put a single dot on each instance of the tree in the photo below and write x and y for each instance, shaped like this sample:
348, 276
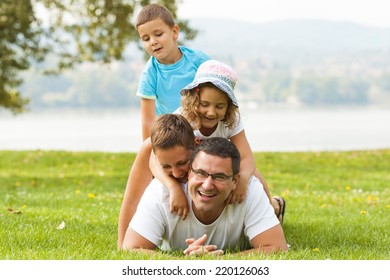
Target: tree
74, 31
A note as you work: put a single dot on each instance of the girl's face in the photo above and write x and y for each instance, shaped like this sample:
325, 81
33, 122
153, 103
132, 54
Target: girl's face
159, 40
212, 106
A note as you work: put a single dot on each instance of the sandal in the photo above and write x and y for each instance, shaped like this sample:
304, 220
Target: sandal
282, 207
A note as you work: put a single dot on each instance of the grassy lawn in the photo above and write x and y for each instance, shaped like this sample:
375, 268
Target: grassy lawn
65, 205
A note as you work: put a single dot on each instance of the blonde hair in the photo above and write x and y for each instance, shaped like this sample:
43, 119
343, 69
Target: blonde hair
153, 11
190, 102
171, 130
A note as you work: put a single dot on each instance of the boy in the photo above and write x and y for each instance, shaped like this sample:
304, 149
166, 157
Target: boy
167, 131
170, 68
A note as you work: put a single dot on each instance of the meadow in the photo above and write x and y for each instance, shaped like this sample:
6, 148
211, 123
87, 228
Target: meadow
57, 205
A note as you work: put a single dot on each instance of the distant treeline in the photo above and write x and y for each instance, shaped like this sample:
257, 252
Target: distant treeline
300, 62
97, 86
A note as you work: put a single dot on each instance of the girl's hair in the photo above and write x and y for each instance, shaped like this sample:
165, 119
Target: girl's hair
190, 102
153, 11
171, 130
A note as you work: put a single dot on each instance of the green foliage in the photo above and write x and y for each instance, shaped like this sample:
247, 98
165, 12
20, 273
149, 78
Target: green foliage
338, 204
73, 31
19, 40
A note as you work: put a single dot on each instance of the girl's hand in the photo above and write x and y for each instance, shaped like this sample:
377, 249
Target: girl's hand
238, 194
178, 202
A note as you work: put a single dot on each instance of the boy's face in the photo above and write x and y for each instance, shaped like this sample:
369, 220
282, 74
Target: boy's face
159, 40
175, 162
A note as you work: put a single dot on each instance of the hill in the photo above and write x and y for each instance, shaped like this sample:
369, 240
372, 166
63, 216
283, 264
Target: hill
240, 38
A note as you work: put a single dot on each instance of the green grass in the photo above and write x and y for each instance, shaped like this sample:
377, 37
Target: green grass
338, 204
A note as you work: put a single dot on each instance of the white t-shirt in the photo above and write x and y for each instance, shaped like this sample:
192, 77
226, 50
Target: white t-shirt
237, 224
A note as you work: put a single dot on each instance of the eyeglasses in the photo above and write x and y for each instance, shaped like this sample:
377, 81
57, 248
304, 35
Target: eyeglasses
217, 177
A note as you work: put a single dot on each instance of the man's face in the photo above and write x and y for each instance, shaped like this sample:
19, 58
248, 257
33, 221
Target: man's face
209, 194
175, 162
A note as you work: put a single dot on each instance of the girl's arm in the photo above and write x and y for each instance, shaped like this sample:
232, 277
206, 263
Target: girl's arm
247, 166
139, 178
148, 114
177, 199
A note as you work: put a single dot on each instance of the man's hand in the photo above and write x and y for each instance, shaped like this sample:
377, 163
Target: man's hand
196, 247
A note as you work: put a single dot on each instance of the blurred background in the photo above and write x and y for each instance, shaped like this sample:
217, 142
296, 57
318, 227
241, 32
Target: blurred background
313, 75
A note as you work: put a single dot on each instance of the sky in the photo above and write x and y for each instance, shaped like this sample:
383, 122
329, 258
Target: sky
373, 13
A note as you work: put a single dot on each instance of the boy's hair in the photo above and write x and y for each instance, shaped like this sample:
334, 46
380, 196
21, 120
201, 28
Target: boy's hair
220, 147
190, 102
171, 130
153, 11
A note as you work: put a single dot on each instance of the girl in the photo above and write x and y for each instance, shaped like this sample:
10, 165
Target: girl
211, 107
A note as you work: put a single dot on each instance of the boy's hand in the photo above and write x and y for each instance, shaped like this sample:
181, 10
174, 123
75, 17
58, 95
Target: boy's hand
178, 203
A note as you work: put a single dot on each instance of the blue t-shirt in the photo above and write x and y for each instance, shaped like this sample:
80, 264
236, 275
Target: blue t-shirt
163, 82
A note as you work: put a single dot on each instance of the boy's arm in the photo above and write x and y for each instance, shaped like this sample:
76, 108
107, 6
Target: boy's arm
148, 114
139, 178
177, 199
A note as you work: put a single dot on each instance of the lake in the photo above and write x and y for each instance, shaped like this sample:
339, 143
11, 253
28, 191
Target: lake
268, 129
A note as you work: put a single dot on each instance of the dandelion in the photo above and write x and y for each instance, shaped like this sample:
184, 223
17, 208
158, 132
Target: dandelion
24, 206
388, 206
363, 212
323, 205
372, 198
316, 250
347, 188
77, 191
91, 195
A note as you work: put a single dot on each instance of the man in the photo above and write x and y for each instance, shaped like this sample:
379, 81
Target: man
212, 226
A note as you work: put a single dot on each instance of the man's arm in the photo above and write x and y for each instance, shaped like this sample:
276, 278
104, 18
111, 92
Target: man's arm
269, 241
133, 240
261, 224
